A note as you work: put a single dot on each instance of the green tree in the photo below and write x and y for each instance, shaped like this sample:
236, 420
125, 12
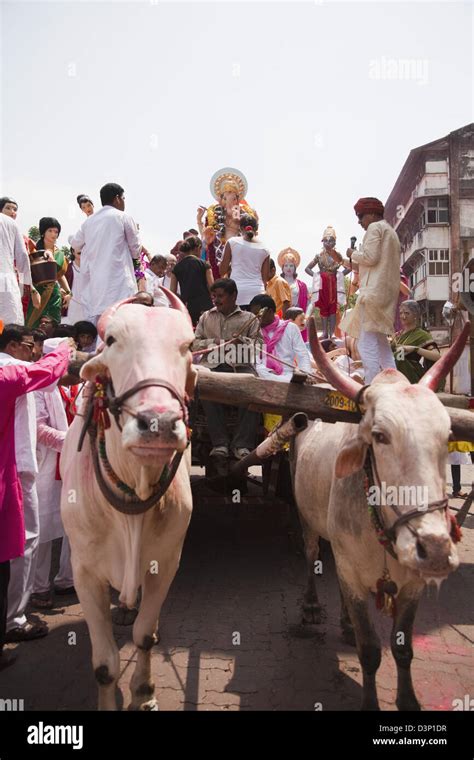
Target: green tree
351, 300
34, 233
67, 252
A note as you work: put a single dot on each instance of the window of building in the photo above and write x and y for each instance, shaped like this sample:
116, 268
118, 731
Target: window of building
437, 212
438, 262
418, 275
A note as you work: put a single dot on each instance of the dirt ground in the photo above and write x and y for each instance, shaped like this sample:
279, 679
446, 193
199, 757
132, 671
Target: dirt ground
226, 630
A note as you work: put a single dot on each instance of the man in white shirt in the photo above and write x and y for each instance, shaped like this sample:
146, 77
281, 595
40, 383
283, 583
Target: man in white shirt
12, 255
109, 240
283, 340
372, 318
154, 276
16, 347
170, 265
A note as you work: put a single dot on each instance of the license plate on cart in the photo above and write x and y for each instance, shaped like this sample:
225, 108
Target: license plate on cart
338, 401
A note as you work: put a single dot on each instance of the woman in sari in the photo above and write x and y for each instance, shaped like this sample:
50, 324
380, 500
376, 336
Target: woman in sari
51, 293
410, 346
289, 260
414, 349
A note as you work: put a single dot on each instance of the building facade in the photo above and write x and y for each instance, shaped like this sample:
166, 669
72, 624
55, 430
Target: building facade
431, 207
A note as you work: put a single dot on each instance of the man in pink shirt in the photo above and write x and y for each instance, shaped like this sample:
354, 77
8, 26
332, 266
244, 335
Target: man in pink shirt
16, 380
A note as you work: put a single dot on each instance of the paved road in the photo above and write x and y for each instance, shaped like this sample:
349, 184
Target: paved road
225, 628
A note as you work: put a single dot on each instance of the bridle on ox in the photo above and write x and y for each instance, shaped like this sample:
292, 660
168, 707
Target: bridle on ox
387, 536
97, 420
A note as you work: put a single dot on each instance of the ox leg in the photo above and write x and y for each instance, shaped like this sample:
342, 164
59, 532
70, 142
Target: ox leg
312, 612
94, 597
402, 650
347, 629
154, 591
368, 646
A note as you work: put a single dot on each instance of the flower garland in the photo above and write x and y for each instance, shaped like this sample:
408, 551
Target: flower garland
216, 217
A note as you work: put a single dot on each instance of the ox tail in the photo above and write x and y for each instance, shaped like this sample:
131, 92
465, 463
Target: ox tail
131, 576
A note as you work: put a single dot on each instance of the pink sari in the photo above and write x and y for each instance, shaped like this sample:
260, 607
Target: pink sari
271, 335
303, 299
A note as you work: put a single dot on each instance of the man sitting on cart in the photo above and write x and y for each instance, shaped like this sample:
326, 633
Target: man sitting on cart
234, 337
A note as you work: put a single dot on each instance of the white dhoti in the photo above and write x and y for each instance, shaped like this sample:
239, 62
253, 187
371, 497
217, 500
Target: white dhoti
52, 428
63, 578
375, 352
22, 569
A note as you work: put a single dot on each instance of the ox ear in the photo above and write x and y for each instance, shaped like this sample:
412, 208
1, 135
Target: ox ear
93, 367
351, 458
191, 381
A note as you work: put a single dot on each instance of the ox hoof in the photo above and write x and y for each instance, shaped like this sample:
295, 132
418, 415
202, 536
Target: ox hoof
370, 706
409, 704
348, 636
151, 706
306, 630
313, 614
124, 616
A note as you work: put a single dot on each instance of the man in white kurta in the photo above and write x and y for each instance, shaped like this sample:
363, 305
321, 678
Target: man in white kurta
290, 348
372, 318
12, 253
154, 276
109, 240
51, 431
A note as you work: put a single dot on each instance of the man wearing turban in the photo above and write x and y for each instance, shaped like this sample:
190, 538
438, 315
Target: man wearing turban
378, 263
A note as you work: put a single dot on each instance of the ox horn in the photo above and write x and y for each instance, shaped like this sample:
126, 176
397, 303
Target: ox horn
343, 383
443, 366
175, 302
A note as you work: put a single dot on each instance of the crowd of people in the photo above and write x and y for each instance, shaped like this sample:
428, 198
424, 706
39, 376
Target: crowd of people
249, 312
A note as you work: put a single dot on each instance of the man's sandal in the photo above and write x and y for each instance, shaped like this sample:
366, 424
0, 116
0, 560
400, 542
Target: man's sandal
42, 601
26, 632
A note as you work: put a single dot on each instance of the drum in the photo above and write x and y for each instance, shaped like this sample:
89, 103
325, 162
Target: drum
42, 269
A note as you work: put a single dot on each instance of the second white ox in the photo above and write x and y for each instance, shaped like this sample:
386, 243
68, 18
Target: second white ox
407, 429
147, 358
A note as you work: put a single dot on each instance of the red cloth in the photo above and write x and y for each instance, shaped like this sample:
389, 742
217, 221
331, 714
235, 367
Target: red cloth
15, 380
327, 300
69, 400
369, 206
211, 255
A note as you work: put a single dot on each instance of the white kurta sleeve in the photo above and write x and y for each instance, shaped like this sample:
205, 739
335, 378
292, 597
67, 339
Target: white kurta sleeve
47, 435
299, 349
132, 237
77, 241
22, 260
371, 251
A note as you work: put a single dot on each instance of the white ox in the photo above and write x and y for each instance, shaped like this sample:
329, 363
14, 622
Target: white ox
126, 551
408, 429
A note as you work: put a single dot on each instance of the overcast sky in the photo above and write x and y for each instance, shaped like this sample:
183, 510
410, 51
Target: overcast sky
317, 103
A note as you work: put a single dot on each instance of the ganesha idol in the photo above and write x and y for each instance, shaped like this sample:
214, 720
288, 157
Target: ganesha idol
222, 219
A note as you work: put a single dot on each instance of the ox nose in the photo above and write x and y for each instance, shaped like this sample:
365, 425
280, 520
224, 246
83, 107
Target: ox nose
157, 424
434, 552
